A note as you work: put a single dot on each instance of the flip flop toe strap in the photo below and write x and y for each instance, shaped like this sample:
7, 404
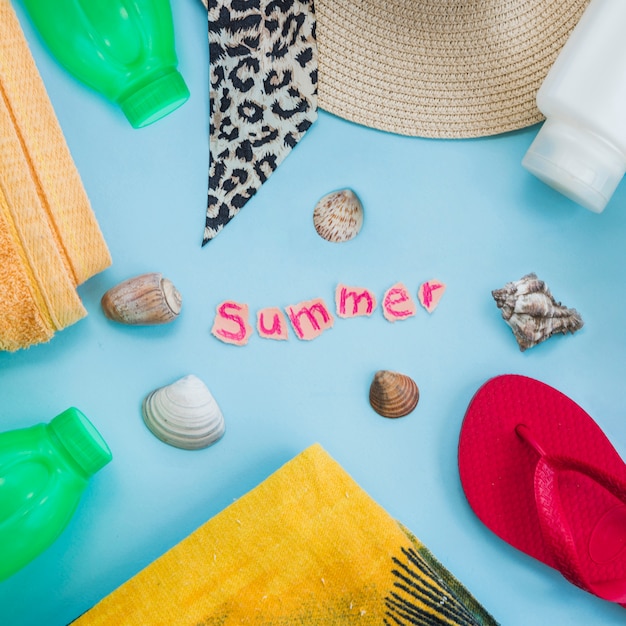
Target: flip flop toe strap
555, 527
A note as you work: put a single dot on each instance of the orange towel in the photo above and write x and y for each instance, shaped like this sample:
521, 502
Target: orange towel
50, 241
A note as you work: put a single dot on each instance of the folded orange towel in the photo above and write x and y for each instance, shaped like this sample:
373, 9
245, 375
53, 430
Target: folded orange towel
307, 546
50, 241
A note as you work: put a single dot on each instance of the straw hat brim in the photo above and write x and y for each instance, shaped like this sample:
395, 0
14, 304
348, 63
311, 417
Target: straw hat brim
439, 68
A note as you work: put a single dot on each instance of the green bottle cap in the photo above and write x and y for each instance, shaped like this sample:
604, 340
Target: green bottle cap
81, 440
156, 99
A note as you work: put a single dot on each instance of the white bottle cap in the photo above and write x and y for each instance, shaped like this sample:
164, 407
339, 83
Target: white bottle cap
578, 163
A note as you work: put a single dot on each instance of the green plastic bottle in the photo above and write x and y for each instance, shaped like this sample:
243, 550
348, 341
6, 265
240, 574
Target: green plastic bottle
44, 470
123, 49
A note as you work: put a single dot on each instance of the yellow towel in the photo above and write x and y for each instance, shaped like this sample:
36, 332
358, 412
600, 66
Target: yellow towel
50, 241
308, 546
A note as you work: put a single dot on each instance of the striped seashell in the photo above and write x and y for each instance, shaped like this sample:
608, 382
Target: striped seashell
393, 394
184, 414
143, 300
338, 216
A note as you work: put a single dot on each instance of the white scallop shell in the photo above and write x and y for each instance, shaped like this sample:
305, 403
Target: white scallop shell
184, 414
338, 216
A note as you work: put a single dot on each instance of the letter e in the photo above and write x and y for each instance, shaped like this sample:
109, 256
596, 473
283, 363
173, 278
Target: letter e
398, 304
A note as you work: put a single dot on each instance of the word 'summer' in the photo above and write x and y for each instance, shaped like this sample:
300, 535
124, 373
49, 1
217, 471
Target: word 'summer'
310, 319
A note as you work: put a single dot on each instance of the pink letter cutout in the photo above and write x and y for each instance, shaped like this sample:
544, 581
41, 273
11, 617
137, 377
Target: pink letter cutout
231, 323
398, 304
430, 293
277, 329
316, 316
363, 301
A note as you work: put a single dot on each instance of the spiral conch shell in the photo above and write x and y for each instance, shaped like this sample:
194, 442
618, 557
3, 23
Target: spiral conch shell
393, 394
338, 216
145, 299
184, 414
533, 314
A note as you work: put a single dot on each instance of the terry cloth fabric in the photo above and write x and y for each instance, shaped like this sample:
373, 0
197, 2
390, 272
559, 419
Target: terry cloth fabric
50, 241
263, 96
307, 546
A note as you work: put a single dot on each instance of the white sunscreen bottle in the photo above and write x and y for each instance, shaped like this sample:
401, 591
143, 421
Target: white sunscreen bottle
581, 148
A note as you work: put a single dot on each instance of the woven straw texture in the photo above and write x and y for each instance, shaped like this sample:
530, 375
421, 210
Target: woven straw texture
439, 68
50, 241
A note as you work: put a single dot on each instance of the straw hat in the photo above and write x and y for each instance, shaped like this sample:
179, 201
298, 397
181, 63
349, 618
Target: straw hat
439, 68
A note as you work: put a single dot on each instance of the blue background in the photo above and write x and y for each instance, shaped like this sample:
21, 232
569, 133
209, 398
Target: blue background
464, 212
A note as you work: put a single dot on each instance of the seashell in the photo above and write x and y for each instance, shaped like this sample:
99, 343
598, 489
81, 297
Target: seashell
393, 394
338, 216
184, 414
144, 299
533, 314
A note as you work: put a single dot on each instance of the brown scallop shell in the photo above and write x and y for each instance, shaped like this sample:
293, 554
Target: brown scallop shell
393, 394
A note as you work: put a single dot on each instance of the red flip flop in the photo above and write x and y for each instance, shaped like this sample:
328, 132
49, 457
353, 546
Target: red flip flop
540, 473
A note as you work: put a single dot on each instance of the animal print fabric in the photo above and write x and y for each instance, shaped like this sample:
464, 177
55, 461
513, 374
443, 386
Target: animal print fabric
263, 96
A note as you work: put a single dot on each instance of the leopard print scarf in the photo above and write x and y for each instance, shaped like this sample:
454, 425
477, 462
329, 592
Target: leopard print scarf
263, 96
